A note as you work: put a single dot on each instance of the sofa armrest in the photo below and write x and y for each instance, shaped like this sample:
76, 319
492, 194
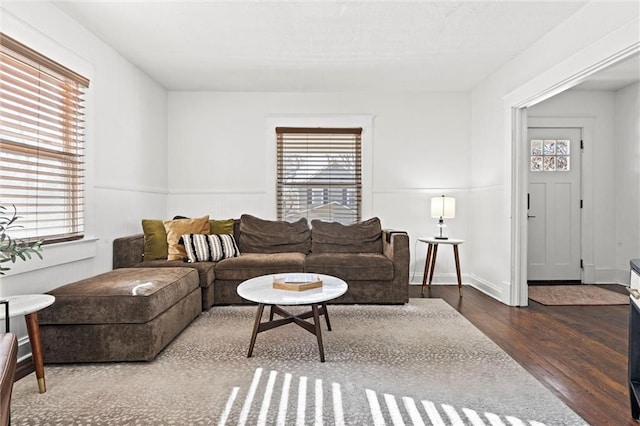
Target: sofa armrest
395, 246
128, 251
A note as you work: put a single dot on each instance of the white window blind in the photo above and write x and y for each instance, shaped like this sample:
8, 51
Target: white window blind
319, 174
41, 143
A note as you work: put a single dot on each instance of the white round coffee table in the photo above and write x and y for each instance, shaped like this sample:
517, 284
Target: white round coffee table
261, 291
29, 305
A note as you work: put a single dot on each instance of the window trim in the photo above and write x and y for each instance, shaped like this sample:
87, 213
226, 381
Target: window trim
37, 58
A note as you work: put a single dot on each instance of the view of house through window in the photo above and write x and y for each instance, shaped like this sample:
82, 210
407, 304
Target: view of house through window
41, 143
319, 174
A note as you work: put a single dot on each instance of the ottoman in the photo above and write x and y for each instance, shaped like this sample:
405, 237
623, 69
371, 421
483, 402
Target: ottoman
127, 314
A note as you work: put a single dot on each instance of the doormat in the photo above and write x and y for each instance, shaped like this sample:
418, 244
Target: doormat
558, 295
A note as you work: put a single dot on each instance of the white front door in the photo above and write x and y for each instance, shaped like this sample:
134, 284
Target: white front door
554, 204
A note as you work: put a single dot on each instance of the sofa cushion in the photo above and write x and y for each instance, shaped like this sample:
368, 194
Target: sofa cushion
270, 236
121, 296
206, 270
249, 265
155, 239
334, 237
209, 247
217, 226
177, 228
350, 266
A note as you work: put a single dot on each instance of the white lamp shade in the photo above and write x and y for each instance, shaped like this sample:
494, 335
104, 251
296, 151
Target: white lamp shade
444, 207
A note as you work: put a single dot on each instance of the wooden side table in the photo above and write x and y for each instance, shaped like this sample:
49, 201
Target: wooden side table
430, 261
29, 305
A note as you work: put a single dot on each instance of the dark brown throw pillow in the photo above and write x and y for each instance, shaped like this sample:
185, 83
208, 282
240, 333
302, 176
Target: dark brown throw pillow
334, 237
271, 236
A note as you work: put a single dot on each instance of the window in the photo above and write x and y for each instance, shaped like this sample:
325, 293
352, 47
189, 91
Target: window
41, 143
319, 174
550, 155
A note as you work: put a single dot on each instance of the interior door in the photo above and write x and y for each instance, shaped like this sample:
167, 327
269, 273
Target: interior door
554, 203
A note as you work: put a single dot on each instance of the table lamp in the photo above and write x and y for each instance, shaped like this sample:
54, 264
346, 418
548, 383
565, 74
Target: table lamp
443, 208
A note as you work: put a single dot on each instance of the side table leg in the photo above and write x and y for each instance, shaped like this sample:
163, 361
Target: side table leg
425, 276
433, 263
455, 253
256, 325
33, 329
318, 333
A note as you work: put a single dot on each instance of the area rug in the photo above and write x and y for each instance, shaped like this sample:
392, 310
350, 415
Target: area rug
556, 295
421, 363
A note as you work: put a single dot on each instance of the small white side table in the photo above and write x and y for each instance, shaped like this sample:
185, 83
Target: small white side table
430, 261
29, 305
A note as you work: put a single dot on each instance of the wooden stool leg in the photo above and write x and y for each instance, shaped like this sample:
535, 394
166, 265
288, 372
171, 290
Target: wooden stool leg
455, 253
33, 329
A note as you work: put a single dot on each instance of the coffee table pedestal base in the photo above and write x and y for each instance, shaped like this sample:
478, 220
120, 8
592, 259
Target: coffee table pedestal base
317, 309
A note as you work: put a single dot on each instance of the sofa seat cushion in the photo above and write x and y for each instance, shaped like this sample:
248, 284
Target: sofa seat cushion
122, 296
206, 270
351, 266
249, 265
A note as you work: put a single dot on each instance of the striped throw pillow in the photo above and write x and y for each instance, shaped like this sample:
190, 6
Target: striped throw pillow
210, 248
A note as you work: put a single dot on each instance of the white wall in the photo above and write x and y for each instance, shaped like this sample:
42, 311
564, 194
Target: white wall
593, 34
126, 144
627, 178
222, 157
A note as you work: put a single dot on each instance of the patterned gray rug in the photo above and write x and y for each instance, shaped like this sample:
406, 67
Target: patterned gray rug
420, 364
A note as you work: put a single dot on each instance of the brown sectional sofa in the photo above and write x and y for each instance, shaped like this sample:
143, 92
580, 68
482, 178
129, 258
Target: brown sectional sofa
374, 262
132, 312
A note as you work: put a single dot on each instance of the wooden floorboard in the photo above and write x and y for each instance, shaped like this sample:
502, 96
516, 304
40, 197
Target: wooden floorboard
577, 352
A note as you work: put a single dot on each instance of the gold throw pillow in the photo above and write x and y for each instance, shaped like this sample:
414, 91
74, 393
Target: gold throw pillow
177, 228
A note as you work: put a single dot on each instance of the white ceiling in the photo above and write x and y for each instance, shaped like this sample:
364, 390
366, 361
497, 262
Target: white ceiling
319, 45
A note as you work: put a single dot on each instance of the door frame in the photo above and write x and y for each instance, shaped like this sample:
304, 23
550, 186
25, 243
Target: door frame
587, 225
516, 104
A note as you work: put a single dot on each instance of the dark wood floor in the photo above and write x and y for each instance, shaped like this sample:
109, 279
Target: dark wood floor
578, 352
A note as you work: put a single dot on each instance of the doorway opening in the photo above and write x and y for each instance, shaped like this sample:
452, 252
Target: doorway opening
518, 104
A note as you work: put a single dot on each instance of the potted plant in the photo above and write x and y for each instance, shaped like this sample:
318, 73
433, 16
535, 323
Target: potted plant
10, 248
